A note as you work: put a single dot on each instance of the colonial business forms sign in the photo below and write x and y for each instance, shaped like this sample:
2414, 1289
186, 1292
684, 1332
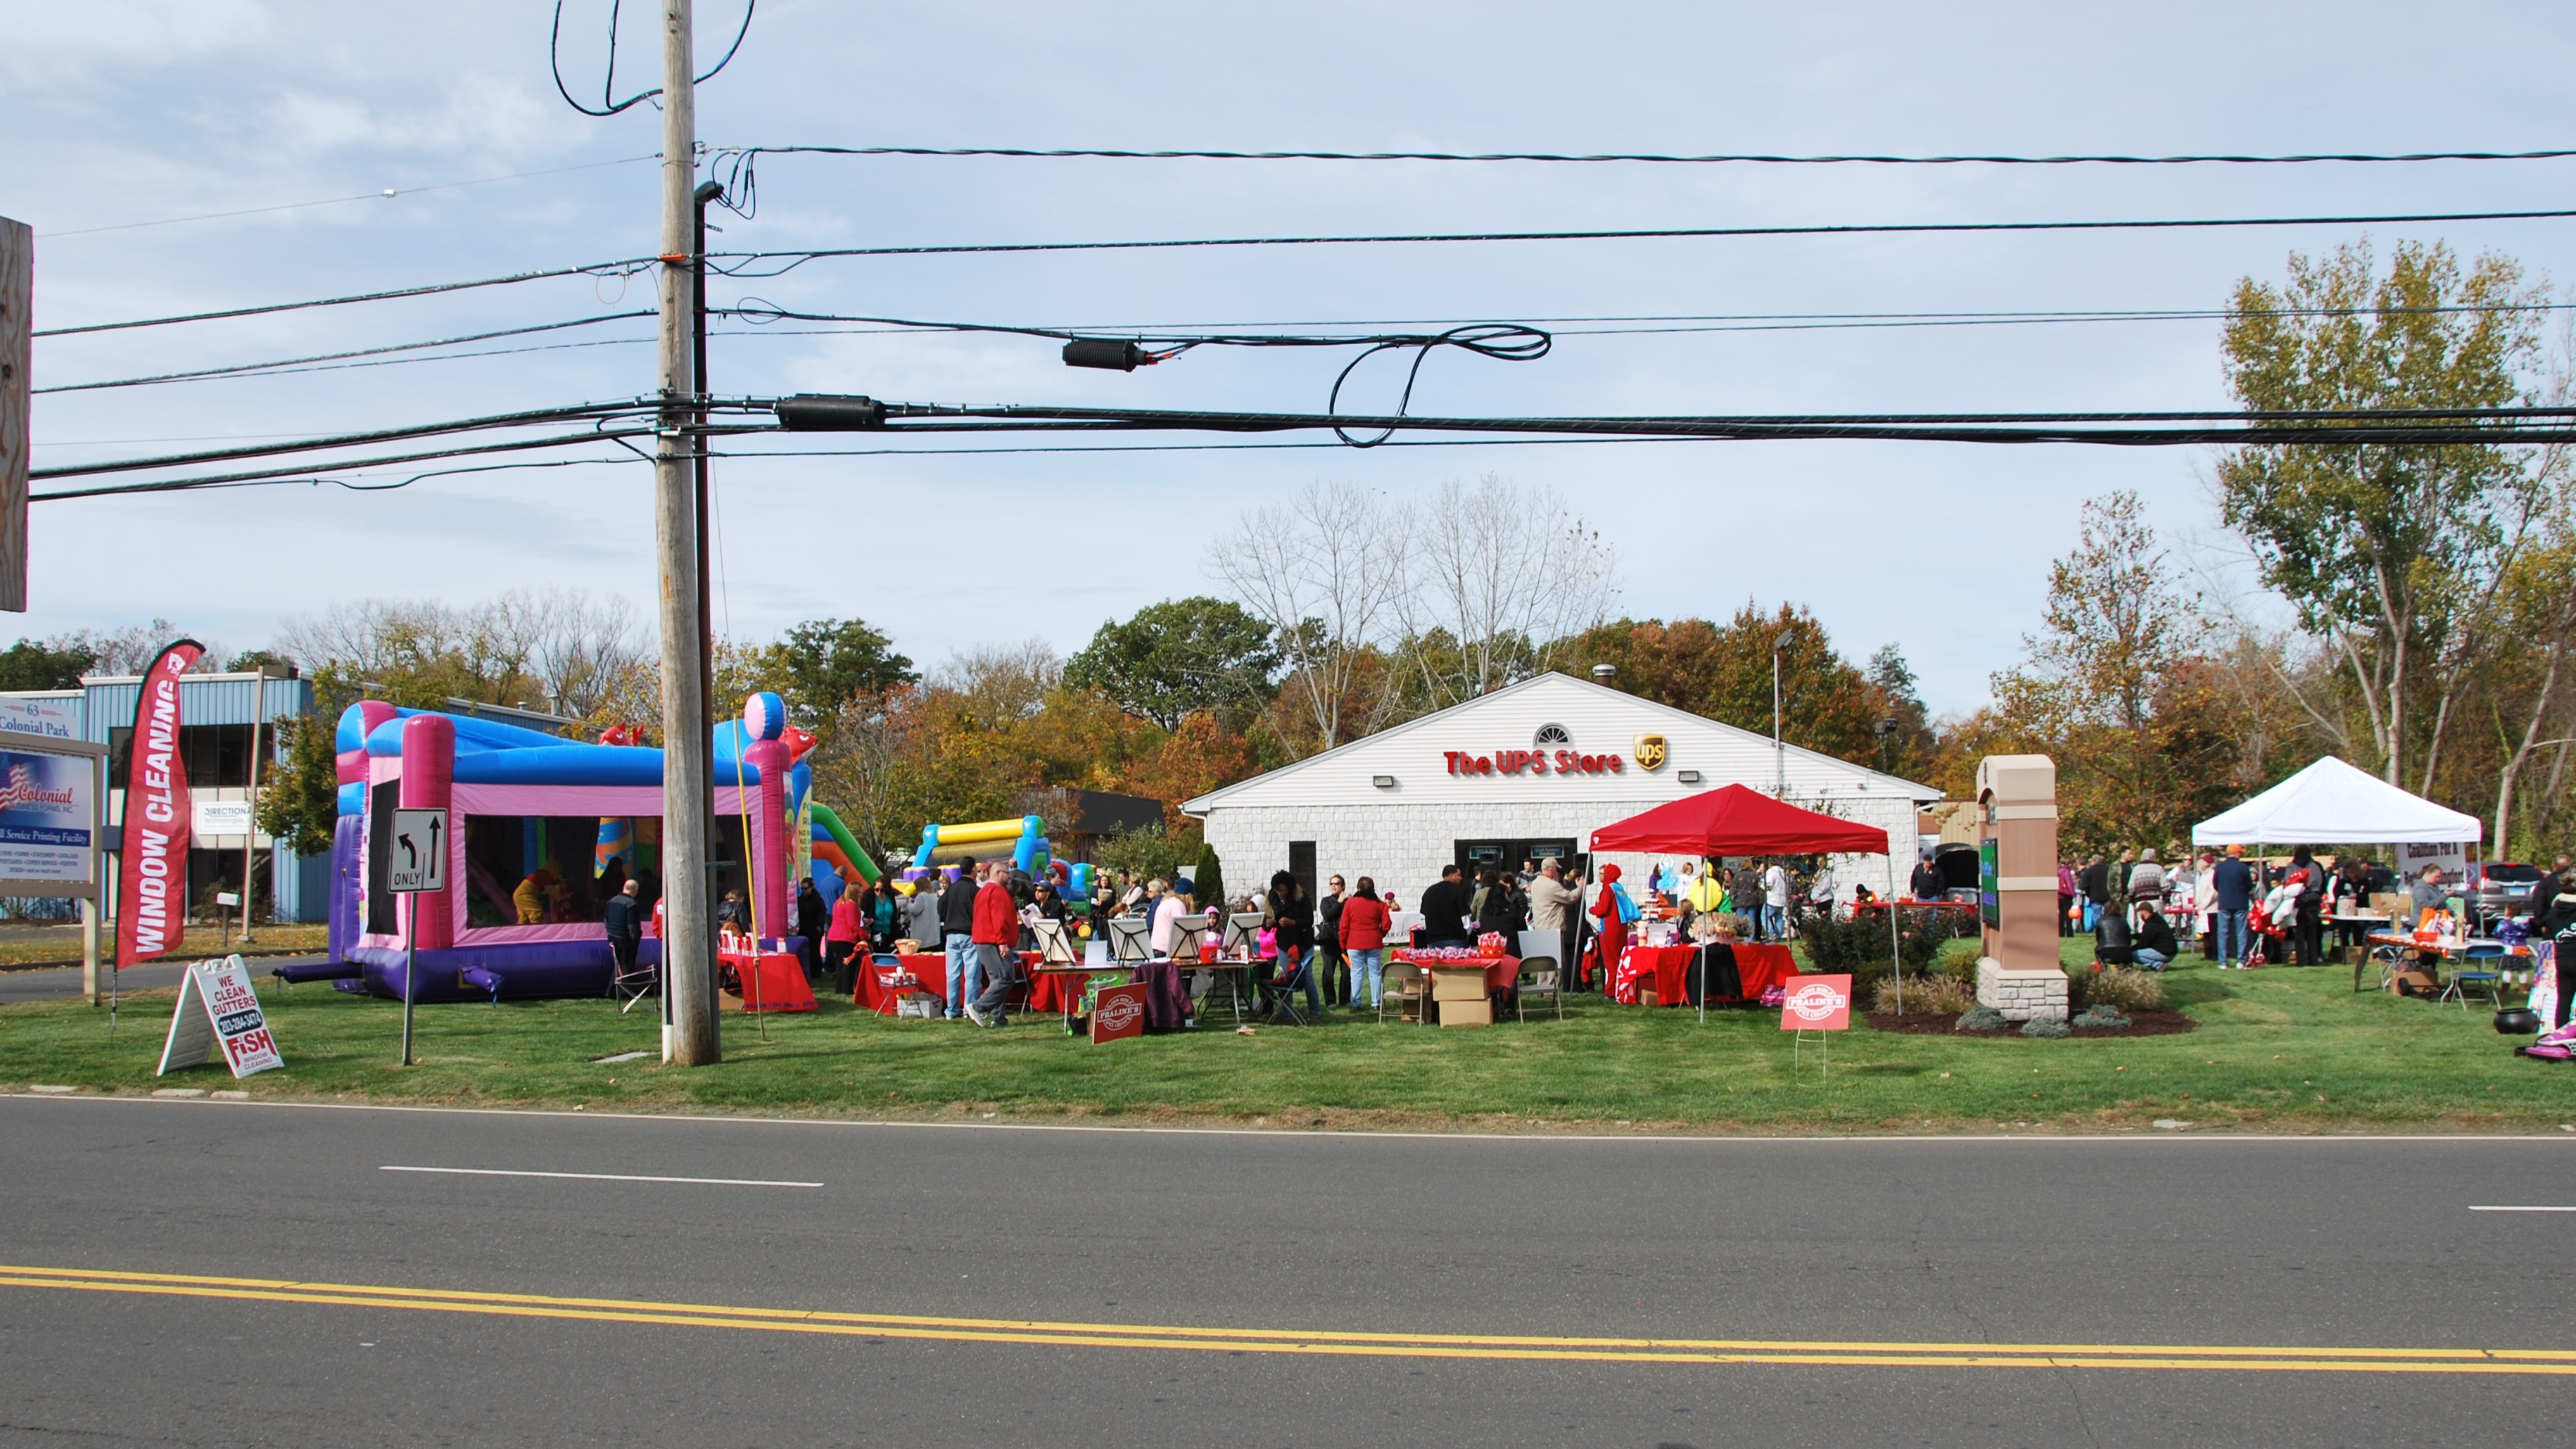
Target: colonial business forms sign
152, 884
48, 816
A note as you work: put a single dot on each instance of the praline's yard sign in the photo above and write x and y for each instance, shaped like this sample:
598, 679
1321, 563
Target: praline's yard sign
1118, 1012
1816, 1003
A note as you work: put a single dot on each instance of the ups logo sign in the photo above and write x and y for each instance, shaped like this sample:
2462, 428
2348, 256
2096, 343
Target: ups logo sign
1651, 750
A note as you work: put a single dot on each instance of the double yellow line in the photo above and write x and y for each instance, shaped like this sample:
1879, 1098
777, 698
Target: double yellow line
1266, 1340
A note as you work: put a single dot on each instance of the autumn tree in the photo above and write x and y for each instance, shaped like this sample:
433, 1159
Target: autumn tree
2395, 555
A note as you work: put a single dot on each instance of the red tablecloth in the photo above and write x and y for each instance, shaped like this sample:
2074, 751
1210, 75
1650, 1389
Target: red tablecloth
1500, 971
930, 973
1758, 967
1761, 967
772, 981
1669, 965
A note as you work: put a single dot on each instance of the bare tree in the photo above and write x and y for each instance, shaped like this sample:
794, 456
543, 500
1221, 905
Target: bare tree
1504, 575
1326, 572
1001, 682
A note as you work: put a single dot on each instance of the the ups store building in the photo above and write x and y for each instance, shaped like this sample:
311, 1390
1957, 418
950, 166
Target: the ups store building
1525, 773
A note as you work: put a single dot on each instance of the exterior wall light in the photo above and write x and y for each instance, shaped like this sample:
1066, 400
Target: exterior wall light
1688, 777
1383, 782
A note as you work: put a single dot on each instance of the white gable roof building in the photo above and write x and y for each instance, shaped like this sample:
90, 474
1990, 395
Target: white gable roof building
1526, 772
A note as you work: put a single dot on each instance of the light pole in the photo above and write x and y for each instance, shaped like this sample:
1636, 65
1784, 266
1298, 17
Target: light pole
1779, 750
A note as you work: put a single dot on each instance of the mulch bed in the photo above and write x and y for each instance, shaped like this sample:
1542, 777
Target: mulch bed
2143, 1021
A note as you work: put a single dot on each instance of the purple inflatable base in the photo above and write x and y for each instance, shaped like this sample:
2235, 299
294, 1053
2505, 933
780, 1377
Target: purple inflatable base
530, 972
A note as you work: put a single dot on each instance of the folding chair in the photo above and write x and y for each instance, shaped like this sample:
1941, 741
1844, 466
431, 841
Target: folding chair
2484, 981
631, 985
1539, 977
1404, 989
1280, 992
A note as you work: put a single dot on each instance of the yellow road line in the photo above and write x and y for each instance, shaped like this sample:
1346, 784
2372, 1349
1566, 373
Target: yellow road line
2273, 1358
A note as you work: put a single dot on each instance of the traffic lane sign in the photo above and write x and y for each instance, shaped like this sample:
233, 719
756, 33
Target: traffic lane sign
419, 852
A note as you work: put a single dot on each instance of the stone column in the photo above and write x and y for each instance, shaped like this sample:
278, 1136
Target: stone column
2019, 973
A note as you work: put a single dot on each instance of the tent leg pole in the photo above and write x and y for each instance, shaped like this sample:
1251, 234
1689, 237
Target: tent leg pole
1895, 951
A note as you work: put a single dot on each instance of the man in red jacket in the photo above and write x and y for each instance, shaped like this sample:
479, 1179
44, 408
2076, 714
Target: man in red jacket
997, 940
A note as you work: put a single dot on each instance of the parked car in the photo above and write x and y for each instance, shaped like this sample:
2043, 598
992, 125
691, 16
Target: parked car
2504, 889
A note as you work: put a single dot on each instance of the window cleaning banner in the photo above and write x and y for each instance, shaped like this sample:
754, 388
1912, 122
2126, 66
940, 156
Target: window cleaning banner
152, 881
46, 816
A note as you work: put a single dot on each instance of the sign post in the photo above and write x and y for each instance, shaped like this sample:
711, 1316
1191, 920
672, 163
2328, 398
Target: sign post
418, 864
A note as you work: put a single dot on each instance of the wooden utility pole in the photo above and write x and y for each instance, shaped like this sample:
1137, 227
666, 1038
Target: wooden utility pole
692, 1037
17, 332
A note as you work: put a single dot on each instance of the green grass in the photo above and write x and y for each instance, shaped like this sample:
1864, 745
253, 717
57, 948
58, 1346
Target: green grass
62, 945
2276, 1050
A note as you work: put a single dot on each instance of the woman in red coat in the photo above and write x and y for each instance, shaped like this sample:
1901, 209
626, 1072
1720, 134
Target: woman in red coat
1611, 936
842, 943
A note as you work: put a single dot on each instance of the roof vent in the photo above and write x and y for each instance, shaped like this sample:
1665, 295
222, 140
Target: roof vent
1604, 673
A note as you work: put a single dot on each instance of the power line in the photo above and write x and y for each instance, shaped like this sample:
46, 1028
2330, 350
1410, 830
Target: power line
2375, 427
798, 258
1722, 158
387, 194
296, 363
626, 267
304, 474
608, 83
596, 411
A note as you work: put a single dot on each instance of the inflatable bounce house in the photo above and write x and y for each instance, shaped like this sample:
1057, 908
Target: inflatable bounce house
543, 832
943, 846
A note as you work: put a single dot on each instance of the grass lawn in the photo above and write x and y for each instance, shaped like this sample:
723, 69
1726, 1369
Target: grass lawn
61, 945
2276, 1050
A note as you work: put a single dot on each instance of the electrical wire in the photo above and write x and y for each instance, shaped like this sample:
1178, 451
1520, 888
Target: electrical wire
623, 268
296, 363
1723, 158
608, 85
387, 194
743, 261
304, 472
598, 412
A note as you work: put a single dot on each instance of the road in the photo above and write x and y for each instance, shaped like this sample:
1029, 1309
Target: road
48, 983
976, 1285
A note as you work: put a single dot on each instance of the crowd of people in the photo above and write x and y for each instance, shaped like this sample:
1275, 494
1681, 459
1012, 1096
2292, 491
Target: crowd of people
2244, 912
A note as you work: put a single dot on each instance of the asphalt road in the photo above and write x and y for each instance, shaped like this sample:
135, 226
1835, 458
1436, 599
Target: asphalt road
48, 983
991, 1286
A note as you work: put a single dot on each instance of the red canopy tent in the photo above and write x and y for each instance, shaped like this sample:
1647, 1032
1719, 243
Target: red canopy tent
1734, 820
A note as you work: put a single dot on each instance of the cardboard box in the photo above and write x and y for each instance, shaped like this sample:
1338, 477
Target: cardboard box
1458, 985
1478, 1012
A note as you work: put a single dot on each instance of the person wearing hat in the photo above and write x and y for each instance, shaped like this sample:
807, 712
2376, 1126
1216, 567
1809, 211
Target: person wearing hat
2232, 882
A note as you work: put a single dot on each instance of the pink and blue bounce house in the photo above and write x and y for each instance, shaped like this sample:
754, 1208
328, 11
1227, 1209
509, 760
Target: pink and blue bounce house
543, 831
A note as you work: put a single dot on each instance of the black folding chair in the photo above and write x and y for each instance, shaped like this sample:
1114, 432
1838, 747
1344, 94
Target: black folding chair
1279, 993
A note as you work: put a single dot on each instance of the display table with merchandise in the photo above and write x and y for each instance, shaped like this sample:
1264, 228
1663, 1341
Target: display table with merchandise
767, 980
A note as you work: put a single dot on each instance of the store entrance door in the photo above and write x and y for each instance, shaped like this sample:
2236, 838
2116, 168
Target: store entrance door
1476, 855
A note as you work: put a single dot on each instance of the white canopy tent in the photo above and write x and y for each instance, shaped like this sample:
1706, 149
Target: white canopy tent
2333, 803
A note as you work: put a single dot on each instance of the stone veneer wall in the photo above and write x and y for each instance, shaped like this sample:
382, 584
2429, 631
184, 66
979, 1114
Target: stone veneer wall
2021, 995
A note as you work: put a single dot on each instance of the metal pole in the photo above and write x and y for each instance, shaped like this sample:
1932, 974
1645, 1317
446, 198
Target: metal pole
411, 976
1779, 751
250, 792
694, 1038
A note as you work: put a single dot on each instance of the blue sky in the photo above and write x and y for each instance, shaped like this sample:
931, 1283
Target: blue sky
124, 111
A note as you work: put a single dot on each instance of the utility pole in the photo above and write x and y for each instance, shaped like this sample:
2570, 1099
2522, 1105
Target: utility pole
693, 1037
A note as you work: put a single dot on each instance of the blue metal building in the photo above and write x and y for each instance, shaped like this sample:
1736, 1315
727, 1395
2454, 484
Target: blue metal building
216, 742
